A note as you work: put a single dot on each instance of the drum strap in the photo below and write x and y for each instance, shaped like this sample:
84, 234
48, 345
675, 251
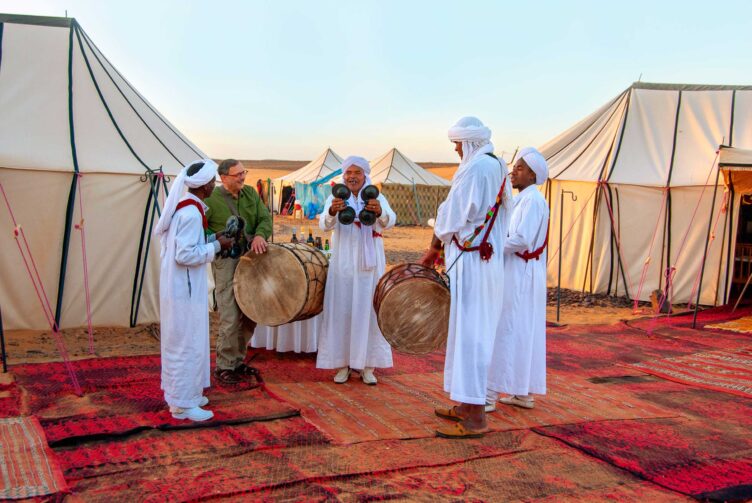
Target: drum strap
485, 248
193, 202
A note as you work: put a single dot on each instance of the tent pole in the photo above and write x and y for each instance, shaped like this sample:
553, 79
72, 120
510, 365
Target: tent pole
271, 205
561, 232
705, 253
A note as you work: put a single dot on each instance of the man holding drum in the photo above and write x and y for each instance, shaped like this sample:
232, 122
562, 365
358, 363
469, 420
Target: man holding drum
234, 198
183, 291
470, 227
350, 337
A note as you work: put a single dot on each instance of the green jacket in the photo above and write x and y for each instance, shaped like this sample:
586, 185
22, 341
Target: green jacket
258, 222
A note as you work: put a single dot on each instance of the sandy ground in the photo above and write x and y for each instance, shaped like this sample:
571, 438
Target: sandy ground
403, 244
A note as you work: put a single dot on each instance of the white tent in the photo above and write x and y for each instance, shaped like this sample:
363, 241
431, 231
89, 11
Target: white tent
320, 167
394, 167
80, 156
644, 169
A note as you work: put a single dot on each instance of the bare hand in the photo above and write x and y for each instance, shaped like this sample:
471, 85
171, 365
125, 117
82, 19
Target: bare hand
429, 257
337, 206
258, 245
224, 242
375, 206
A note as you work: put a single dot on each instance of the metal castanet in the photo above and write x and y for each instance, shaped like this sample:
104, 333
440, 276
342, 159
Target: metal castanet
283, 285
412, 308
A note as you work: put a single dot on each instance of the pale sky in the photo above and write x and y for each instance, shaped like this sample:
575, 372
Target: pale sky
285, 79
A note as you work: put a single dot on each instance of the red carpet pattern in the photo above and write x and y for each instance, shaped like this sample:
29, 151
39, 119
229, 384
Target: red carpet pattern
727, 371
27, 466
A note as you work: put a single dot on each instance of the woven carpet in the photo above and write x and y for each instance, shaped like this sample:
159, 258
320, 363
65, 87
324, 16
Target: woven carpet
27, 466
284, 460
727, 371
743, 325
402, 406
123, 395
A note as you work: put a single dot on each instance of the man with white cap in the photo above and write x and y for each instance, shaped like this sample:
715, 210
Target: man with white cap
518, 366
350, 337
183, 290
471, 227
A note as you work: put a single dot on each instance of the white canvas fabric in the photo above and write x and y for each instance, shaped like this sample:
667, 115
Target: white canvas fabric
649, 137
34, 84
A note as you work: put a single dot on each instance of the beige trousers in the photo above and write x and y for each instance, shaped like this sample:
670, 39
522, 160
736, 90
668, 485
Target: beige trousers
235, 329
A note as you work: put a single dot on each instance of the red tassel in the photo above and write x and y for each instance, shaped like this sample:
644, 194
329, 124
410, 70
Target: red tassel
486, 250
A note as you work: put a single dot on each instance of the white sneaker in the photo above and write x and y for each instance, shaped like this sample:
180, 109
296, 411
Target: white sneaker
194, 414
342, 375
490, 406
525, 403
367, 376
203, 402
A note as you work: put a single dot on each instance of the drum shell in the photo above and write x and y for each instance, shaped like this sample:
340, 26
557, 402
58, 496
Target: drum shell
412, 303
283, 285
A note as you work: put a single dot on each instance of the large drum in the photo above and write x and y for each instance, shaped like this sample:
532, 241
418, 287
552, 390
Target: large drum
283, 285
412, 308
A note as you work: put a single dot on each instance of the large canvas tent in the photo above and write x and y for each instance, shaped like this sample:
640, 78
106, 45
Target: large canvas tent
644, 169
322, 166
413, 192
82, 155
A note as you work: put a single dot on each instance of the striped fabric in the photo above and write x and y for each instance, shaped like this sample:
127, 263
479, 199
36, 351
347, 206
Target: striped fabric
28, 467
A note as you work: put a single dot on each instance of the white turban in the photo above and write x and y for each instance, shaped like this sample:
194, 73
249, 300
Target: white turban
536, 162
469, 129
207, 173
358, 162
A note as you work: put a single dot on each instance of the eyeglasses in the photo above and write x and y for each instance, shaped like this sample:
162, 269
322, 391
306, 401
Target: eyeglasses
241, 174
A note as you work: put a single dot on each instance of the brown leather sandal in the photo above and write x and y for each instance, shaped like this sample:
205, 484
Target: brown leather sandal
226, 376
244, 370
458, 430
448, 413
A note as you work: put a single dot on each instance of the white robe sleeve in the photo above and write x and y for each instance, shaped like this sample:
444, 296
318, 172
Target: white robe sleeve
388, 217
187, 251
523, 237
326, 221
458, 209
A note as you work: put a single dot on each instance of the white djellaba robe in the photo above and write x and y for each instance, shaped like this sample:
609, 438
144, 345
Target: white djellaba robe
184, 307
350, 334
476, 285
518, 366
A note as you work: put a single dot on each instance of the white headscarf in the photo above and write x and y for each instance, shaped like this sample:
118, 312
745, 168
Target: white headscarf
368, 246
475, 138
206, 174
536, 162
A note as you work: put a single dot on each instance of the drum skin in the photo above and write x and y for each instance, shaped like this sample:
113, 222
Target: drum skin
412, 308
283, 285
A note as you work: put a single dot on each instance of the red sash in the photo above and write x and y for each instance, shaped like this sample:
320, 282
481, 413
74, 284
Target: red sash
535, 254
375, 234
485, 248
193, 202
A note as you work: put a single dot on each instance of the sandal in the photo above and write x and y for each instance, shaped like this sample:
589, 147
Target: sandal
458, 430
226, 376
450, 413
244, 370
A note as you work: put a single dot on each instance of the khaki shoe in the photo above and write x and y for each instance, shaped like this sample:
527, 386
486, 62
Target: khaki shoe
367, 376
342, 375
525, 403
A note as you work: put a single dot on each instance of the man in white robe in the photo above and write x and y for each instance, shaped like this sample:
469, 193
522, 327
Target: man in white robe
476, 277
518, 367
350, 336
183, 291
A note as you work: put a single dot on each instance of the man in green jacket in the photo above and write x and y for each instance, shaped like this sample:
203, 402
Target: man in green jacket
234, 198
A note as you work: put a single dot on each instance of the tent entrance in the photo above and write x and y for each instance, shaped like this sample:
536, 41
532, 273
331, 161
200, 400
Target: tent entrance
743, 250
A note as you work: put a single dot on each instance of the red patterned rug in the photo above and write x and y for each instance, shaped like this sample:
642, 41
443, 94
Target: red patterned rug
401, 406
727, 371
123, 395
28, 468
676, 453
